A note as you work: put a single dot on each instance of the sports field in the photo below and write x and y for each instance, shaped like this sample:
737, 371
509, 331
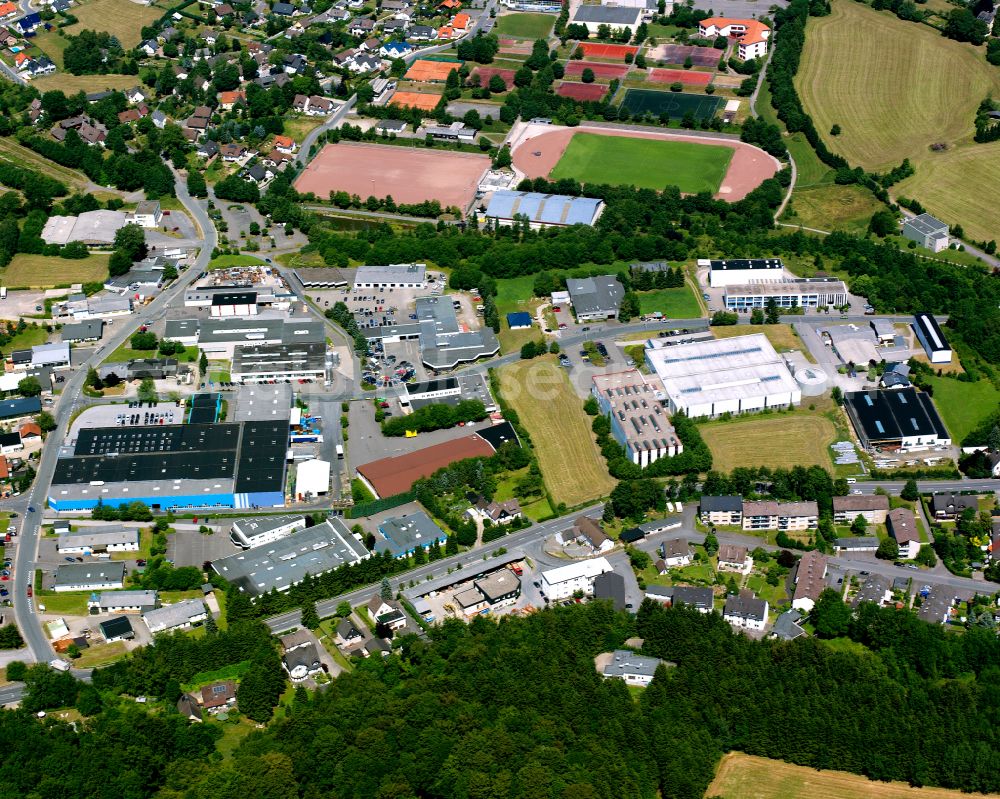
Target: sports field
646, 163
746, 777
121, 18
676, 104
525, 26
571, 464
964, 405
582, 91
786, 440
574, 69
408, 174
43, 271
895, 89
682, 75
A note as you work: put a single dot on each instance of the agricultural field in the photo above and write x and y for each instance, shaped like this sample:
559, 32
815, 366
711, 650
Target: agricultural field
896, 88
833, 207
786, 440
43, 271
571, 464
746, 777
71, 84
678, 303
964, 405
646, 163
525, 26
121, 18
15, 153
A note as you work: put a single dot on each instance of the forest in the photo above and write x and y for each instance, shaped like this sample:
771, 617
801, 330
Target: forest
517, 709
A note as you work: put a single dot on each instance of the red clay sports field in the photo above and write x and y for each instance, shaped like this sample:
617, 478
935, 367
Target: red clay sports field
680, 76
576, 68
597, 50
409, 174
582, 91
539, 149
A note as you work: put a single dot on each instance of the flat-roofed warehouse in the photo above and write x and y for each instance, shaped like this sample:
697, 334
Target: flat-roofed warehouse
284, 563
803, 293
321, 277
254, 363
639, 421
232, 465
407, 276
739, 271
542, 210
902, 419
731, 375
221, 335
934, 343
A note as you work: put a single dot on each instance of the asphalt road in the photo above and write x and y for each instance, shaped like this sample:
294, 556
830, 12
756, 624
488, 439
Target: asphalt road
27, 547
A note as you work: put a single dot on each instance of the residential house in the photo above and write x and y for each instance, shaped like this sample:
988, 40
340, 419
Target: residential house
902, 526
786, 516
284, 144
610, 586
347, 634
875, 589
283, 9
229, 99
422, 33
363, 63
188, 707
219, 696
361, 27
497, 512
873, 508
178, 616
386, 612
589, 531
208, 149
294, 64
8, 10
735, 558
319, 106
137, 95
745, 611
302, 662
810, 580
946, 505
377, 646
395, 49
29, 23
159, 119
787, 627
631, 668
233, 152
370, 45
726, 511
697, 597
150, 47
676, 552
259, 174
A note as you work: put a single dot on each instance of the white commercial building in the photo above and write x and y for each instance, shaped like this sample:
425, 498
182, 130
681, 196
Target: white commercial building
97, 539
798, 293
255, 532
312, 478
732, 375
148, 214
406, 276
91, 227
123, 601
178, 616
738, 271
639, 422
565, 581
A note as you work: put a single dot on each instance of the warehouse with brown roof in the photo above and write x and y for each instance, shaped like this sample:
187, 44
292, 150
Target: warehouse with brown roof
390, 476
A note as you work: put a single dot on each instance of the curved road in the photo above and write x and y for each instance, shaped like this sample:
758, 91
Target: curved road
27, 548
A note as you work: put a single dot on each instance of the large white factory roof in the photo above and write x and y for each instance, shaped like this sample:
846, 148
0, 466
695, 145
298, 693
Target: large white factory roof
720, 370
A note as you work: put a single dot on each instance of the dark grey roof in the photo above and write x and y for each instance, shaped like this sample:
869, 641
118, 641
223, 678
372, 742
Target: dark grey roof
787, 626
608, 15
723, 504
610, 585
746, 606
595, 294
887, 415
873, 590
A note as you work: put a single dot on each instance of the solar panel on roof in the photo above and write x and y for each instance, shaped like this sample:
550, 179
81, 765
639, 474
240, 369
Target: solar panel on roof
878, 425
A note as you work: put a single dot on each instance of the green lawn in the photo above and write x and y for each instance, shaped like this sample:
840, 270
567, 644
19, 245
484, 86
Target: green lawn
126, 353
45, 271
525, 26
964, 405
679, 303
69, 603
646, 163
27, 338
224, 261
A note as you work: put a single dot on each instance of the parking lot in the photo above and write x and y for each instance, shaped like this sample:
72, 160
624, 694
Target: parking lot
191, 548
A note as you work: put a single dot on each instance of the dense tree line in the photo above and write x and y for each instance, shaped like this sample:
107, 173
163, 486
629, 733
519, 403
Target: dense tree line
435, 417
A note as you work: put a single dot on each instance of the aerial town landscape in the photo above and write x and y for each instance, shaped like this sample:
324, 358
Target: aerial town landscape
559, 399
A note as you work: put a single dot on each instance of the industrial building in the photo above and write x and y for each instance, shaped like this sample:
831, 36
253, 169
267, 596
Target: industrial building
91, 227
741, 271
402, 535
178, 616
542, 210
395, 276
798, 293
76, 332
312, 479
595, 299
122, 602
732, 375
900, 419
614, 17
639, 421
284, 563
444, 343
260, 530
113, 538
931, 338
258, 363
97, 576
447, 390
219, 337
564, 581
927, 231
321, 277
231, 465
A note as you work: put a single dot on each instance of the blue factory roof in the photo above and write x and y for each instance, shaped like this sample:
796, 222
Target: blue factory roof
547, 209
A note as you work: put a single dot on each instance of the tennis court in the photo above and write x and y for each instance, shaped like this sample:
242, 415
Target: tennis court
675, 104
598, 50
427, 71
591, 92
485, 73
679, 76
678, 53
609, 71
425, 102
